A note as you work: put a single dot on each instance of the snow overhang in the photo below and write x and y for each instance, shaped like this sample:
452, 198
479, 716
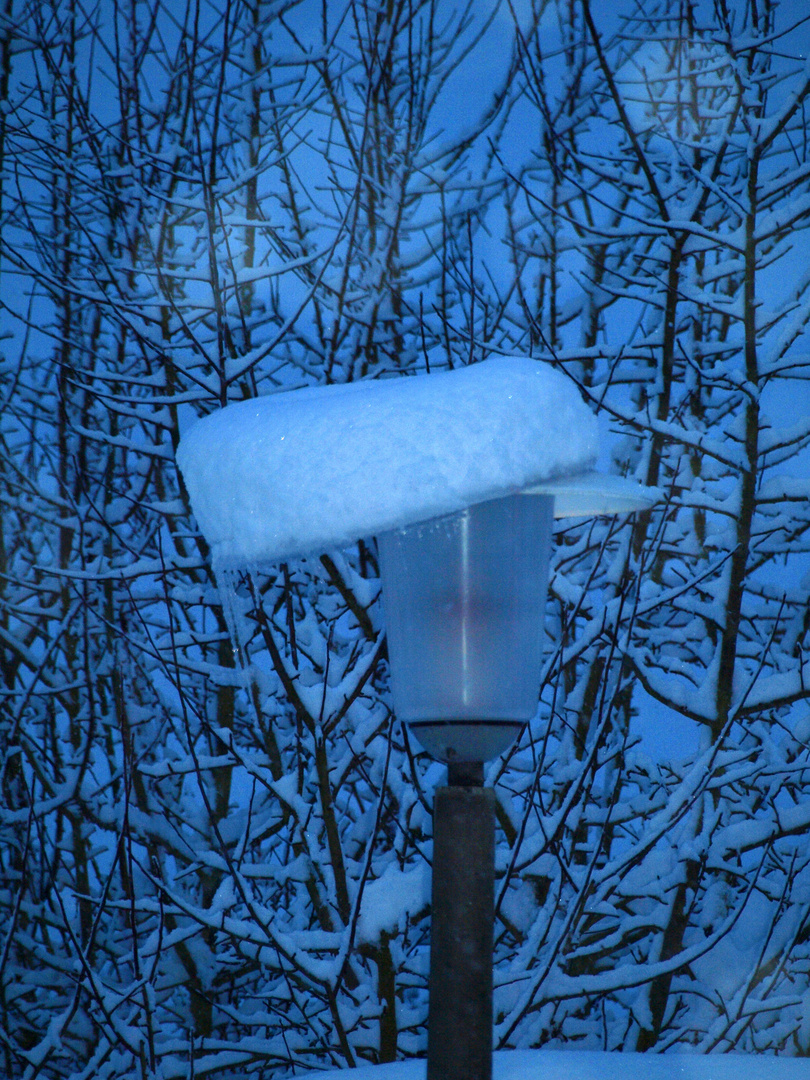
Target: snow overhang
307, 470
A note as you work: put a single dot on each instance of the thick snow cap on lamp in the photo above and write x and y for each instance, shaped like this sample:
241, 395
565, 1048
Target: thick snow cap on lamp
458, 474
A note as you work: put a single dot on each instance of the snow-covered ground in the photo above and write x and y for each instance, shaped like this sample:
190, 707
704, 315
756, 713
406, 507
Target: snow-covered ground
595, 1065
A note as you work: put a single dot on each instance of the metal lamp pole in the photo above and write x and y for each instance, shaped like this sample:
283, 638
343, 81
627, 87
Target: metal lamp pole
460, 1009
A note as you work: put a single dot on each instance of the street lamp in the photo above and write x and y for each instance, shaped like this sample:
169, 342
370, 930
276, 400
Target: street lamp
463, 597
459, 475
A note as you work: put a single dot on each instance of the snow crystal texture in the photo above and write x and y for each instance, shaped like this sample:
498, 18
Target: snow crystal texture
317, 468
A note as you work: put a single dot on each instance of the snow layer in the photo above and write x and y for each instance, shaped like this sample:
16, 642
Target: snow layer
596, 1065
317, 468
391, 899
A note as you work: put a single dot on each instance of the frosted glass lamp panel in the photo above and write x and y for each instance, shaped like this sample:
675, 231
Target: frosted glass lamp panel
464, 597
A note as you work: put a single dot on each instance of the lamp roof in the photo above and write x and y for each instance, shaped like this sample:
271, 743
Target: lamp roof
309, 469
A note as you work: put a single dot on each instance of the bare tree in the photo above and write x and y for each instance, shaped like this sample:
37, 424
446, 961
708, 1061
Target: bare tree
207, 804
684, 182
